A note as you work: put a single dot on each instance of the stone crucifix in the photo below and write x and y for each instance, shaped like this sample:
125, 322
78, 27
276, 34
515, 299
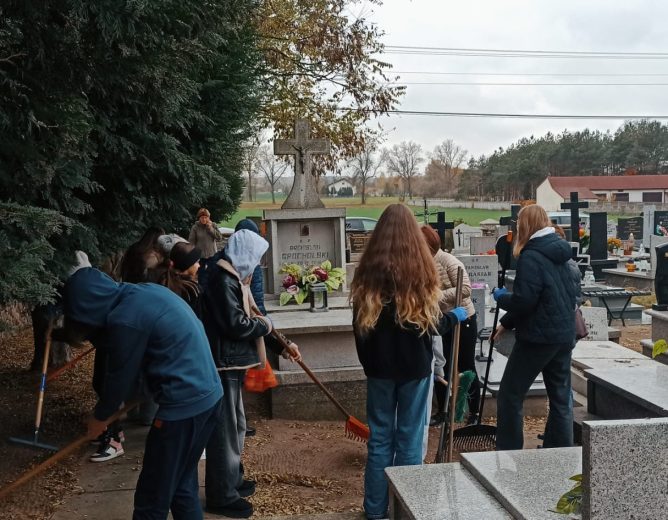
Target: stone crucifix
303, 194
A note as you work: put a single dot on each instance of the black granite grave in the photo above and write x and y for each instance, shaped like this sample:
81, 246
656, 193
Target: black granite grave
598, 244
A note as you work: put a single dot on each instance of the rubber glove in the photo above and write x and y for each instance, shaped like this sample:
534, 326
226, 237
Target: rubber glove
498, 293
460, 313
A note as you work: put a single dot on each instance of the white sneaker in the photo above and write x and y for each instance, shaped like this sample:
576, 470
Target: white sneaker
107, 451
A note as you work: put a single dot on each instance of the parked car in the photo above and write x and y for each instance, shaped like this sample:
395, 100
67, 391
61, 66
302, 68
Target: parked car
360, 224
563, 219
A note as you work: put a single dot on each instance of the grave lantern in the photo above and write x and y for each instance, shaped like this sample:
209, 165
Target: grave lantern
318, 296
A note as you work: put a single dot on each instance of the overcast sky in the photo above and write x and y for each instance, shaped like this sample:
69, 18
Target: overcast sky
564, 25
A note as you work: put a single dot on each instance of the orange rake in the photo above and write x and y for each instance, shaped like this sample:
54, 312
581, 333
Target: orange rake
355, 429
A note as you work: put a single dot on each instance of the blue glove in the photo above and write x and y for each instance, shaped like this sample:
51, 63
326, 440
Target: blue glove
498, 293
460, 313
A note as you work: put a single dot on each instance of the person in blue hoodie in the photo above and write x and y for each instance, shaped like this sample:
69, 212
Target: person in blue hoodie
147, 328
237, 338
541, 309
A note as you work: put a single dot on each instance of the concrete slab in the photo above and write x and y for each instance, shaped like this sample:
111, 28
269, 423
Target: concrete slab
437, 491
335, 300
528, 483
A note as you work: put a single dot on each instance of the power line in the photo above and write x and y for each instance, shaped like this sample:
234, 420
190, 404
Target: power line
538, 74
515, 53
512, 115
525, 84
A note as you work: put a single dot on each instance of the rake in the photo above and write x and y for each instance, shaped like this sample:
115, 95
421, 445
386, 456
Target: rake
33, 442
355, 429
482, 437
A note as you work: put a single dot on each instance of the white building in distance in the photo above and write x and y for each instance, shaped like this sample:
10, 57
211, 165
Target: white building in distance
623, 188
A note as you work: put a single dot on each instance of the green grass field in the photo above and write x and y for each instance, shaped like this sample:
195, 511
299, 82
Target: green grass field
354, 208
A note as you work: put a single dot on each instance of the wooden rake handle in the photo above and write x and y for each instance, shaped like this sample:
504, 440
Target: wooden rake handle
454, 386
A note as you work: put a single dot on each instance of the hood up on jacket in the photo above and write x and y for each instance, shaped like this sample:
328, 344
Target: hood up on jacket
552, 246
89, 296
248, 224
244, 250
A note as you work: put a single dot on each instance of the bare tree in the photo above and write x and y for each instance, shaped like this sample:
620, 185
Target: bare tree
250, 158
365, 166
271, 167
446, 160
403, 159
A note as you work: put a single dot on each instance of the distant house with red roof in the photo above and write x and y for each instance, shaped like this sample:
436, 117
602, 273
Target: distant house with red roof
625, 188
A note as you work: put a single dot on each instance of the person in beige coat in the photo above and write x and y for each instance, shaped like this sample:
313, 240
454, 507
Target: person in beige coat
204, 234
446, 266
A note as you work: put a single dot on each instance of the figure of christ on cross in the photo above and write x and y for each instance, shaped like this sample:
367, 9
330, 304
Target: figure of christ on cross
303, 194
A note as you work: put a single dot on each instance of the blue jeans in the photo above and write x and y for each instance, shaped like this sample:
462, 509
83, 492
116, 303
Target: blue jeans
396, 415
168, 479
526, 361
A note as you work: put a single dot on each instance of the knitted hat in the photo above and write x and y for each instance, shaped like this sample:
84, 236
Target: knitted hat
184, 259
203, 212
166, 242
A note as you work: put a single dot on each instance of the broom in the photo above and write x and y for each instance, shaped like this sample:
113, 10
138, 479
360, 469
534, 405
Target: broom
482, 437
355, 429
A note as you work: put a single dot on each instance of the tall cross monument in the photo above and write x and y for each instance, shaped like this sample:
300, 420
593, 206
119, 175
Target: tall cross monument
303, 194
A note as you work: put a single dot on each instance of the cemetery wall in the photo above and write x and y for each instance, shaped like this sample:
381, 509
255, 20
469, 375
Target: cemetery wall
623, 208
463, 204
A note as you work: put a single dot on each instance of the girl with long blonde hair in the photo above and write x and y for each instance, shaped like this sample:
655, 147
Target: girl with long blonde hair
396, 295
541, 309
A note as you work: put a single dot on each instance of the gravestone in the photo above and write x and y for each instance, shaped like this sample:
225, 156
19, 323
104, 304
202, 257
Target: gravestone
303, 231
612, 229
481, 268
358, 242
596, 320
661, 223
626, 226
624, 468
478, 295
462, 235
303, 194
481, 245
654, 241
574, 205
598, 236
648, 222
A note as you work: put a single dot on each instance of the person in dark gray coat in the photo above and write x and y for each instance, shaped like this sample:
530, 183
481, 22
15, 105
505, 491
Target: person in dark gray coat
541, 309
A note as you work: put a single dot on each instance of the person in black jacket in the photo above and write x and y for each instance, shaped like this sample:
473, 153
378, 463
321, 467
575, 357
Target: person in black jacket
236, 336
541, 309
396, 295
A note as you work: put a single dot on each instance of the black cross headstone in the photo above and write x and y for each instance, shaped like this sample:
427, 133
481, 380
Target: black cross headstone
441, 225
503, 249
598, 236
574, 205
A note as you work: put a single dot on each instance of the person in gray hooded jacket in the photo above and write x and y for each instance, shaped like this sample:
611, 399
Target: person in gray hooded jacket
236, 336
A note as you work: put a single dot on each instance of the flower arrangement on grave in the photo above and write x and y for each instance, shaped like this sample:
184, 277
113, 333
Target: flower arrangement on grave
661, 230
584, 239
614, 243
298, 279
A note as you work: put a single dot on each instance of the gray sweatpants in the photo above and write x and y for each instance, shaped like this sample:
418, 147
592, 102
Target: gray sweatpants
223, 451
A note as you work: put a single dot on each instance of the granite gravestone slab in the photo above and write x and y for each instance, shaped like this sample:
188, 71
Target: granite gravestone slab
612, 229
661, 223
598, 236
462, 235
481, 268
654, 241
478, 295
624, 466
648, 222
481, 245
596, 319
626, 226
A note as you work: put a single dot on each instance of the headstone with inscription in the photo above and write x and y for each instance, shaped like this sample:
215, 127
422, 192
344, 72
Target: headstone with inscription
596, 320
661, 223
482, 269
303, 231
612, 229
478, 298
626, 226
648, 223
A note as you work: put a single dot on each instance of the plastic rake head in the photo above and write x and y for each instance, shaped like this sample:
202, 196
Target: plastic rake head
357, 430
